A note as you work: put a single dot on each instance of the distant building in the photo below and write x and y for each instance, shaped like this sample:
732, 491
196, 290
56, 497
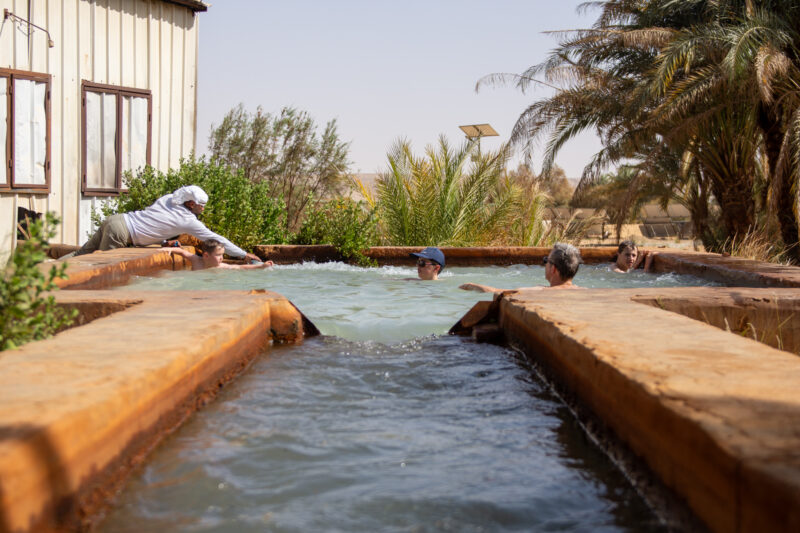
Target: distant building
88, 90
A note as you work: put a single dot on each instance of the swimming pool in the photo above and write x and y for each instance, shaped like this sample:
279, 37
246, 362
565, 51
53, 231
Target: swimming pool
378, 304
383, 424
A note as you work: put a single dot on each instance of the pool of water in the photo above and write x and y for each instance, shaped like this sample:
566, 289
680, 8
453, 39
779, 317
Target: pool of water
380, 304
383, 424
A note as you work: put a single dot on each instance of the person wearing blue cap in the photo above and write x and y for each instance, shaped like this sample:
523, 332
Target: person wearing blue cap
430, 263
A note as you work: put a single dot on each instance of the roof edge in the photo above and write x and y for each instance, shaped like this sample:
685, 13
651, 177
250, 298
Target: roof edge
194, 5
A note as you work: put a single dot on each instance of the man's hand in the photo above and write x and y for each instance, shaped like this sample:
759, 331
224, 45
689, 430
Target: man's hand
479, 288
253, 257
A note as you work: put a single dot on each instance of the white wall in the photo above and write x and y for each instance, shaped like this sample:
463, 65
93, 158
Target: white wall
146, 44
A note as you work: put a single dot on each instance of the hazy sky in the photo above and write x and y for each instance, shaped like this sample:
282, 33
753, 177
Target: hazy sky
384, 69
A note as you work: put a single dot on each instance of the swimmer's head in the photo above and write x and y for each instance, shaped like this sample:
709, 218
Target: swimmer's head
565, 260
430, 263
627, 252
213, 251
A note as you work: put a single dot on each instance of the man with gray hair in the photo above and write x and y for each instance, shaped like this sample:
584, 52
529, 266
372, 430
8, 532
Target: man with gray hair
169, 216
560, 266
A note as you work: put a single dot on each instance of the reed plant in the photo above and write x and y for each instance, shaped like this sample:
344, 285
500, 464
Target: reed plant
758, 244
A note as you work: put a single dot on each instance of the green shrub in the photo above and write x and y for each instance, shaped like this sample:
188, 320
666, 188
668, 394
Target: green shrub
241, 210
26, 312
348, 225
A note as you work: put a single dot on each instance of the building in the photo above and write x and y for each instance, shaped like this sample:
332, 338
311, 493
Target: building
88, 90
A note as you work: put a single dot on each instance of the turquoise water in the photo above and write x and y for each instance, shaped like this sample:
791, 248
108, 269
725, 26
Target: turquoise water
382, 424
379, 304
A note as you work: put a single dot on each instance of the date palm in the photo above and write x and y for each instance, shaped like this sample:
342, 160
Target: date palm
747, 54
712, 82
450, 196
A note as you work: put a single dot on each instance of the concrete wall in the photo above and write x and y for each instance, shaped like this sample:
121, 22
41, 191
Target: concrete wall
144, 44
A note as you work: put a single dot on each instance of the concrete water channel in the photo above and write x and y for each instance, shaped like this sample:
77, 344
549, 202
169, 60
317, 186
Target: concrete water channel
714, 415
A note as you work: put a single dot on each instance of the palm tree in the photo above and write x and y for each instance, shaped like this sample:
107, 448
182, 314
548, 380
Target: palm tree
452, 196
714, 83
750, 56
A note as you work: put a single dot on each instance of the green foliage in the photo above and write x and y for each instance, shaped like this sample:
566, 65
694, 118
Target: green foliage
348, 225
26, 312
454, 197
243, 211
285, 150
700, 96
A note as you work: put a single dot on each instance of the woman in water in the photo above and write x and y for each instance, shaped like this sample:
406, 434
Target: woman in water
629, 258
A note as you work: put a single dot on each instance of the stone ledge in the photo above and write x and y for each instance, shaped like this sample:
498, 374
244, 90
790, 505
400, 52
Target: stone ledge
713, 414
81, 409
732, 271
101, 270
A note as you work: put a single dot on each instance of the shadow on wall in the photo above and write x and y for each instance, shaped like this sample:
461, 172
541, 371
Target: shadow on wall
61, 500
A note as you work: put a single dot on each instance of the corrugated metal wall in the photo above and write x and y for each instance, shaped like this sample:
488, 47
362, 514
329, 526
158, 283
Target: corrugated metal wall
146, 44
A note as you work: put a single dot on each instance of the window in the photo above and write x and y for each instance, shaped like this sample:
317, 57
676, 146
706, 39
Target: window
116, 135
24, 130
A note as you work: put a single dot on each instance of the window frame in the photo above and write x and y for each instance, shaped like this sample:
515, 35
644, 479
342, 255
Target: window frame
120, 92
11, 184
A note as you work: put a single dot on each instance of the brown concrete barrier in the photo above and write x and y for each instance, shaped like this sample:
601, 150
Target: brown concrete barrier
732, 271
713, 414
101, 270
78, 411
399, 255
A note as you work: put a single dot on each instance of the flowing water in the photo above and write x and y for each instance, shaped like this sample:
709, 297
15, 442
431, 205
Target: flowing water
382, 424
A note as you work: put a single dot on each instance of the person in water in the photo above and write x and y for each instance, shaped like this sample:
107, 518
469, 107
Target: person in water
560, 266
430, 263
170, 215
212, 252
629, 257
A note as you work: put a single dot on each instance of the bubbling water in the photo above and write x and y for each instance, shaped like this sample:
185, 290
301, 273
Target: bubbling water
381, 304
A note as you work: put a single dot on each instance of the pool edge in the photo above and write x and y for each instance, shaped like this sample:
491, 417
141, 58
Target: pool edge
709, 412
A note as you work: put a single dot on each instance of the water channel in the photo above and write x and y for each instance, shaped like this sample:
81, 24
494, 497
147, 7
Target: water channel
382, 423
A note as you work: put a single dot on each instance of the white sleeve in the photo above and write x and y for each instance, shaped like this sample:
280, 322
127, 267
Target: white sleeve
197, 229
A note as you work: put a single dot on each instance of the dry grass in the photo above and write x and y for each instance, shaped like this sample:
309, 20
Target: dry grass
759, 245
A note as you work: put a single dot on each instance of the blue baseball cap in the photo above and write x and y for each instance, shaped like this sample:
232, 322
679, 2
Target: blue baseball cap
432, 253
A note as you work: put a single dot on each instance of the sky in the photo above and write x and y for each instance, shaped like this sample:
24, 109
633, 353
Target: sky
385, 70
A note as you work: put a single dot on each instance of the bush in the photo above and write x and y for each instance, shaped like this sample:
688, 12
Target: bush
344, 223
306, 167
26, 312
241, 210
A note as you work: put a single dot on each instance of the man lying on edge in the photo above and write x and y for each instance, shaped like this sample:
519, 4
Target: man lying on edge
170, 215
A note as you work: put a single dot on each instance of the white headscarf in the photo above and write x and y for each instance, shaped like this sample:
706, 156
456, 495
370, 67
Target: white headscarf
190, 192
